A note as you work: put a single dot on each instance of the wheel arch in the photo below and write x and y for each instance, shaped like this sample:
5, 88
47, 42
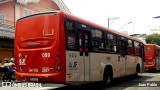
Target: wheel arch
107, 67
138, 68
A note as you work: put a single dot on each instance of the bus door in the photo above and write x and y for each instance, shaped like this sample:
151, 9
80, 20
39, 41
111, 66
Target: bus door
158, 59
84, 55
123, 58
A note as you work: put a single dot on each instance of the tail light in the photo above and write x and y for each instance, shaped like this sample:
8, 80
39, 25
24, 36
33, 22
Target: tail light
22, 55
153, 62
58, 67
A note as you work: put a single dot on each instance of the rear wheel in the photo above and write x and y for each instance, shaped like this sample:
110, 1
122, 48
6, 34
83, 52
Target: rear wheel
137, 70
107, 78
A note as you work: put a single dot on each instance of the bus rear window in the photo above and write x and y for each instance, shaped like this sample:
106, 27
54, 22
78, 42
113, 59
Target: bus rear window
148, 48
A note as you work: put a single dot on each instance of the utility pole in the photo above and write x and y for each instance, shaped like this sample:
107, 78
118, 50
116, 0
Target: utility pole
112, 21
125, 25
156, 17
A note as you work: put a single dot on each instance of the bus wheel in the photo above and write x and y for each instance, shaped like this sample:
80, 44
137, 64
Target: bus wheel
107, 78
137, 70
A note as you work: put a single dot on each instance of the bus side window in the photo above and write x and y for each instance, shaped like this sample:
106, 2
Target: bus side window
137, 48
70, 35
98, 40
71, 41
95, 43
114, 44
80, 39
111, 44
122, 51
107, 43
129, 47
102, 42
142, 49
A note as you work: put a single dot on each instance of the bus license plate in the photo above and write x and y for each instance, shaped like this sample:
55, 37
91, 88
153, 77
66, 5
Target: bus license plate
34, 79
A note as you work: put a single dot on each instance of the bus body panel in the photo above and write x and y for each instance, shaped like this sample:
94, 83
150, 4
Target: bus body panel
75, 67
122, 66
37, 48
43, 54
152, 57
72, 67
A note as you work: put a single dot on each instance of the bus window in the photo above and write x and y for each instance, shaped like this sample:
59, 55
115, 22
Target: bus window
107, 43
71, 41
69, 25
102, 42
147, 48
98, 40
95, 42
95, 45
142, 50
137, 48
70, 35
102, 46
129, 47
112, 43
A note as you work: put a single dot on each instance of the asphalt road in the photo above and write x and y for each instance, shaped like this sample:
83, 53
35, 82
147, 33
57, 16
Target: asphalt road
145, 81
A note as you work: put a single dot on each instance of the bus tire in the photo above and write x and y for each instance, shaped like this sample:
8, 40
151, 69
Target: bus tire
107, 77
137, 70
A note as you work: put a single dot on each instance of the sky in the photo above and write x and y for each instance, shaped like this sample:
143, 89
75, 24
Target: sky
139, 12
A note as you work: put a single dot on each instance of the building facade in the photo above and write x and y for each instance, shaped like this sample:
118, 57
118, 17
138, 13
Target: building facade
12, 10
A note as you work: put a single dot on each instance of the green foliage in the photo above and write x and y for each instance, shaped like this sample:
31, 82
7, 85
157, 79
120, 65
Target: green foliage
153, 39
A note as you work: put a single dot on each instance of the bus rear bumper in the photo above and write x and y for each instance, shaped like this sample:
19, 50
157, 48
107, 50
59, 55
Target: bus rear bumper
39, 77
150, 66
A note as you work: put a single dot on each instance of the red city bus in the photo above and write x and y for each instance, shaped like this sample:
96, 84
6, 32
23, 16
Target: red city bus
152, 57
61, 48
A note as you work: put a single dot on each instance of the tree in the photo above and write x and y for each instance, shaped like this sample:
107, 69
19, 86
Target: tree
153, 39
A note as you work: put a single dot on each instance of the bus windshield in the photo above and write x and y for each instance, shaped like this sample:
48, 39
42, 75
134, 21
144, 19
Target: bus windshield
148, 48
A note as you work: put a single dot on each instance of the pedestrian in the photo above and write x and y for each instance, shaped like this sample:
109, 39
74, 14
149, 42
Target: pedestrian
11, 66
0, 63
6, 62
11, 63
1, 69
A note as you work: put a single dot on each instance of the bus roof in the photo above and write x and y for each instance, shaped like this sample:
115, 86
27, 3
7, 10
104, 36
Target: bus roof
149, 44
37, 14
89, 23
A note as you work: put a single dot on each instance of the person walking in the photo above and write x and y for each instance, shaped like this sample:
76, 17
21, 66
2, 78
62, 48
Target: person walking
6, 62
1, 69
11, 66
